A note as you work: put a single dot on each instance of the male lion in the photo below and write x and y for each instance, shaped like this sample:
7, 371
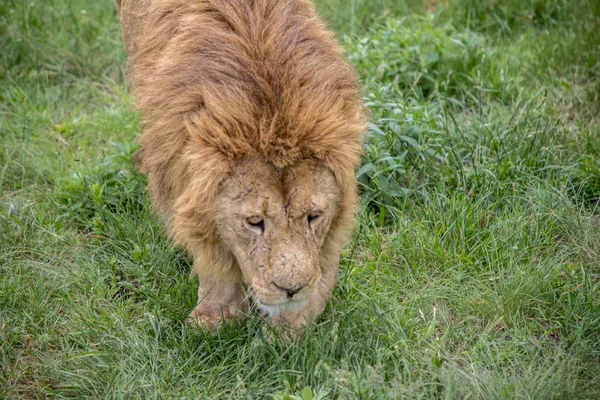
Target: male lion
252, 125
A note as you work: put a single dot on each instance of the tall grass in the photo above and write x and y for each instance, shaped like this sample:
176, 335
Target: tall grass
473, 271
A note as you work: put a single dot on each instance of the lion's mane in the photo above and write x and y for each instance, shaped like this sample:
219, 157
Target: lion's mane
216, 80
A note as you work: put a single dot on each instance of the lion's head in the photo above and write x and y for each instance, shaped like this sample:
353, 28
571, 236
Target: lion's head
275, 222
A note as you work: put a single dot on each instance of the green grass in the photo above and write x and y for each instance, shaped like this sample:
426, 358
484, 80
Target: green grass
475, 268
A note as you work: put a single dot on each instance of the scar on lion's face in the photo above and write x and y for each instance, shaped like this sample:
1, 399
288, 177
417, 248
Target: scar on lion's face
275, 222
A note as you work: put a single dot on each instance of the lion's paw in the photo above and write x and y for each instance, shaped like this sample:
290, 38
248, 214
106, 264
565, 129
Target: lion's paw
209, 321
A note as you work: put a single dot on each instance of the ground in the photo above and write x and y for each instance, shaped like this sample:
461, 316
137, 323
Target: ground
474, 271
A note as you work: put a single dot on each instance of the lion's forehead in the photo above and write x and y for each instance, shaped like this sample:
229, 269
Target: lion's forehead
276, 205
256, 186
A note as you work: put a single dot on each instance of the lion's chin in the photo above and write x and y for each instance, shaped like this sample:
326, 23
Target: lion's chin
273, 310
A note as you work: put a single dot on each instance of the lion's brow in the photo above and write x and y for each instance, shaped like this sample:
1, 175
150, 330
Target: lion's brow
265, 205
243, 194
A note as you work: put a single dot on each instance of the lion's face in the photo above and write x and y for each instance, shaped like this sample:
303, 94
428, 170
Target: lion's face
275, 222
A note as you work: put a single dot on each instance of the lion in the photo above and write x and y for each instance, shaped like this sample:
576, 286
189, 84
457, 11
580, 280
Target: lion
252, 124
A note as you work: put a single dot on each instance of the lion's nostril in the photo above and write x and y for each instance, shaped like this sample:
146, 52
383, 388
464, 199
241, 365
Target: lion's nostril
290, 291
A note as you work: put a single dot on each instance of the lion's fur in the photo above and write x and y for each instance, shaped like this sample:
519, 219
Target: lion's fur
217, 80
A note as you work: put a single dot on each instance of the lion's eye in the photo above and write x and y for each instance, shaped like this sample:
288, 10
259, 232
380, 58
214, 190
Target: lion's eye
256, 223
312, 217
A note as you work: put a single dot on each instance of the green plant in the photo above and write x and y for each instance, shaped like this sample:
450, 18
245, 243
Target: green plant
422, 55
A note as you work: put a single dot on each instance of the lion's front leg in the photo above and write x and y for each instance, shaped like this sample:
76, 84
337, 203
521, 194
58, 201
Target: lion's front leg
221, 298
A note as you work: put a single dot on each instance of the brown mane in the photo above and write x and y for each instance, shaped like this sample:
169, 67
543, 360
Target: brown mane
219, 79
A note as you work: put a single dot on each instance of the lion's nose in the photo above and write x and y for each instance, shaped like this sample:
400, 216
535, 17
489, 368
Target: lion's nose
290, 291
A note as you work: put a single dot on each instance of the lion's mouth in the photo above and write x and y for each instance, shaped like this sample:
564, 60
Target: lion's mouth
272, 310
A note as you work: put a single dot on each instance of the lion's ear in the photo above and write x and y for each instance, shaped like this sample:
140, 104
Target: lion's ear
137, 159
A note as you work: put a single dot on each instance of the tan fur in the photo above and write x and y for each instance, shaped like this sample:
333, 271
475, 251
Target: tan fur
230, 87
